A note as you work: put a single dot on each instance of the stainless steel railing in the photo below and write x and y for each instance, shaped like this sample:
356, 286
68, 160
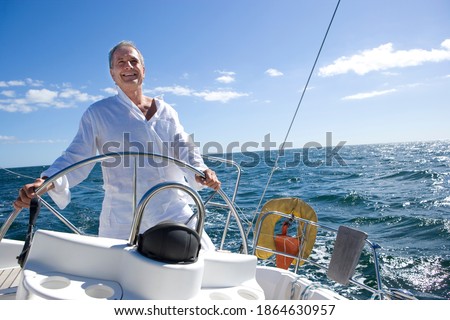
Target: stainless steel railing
306, 224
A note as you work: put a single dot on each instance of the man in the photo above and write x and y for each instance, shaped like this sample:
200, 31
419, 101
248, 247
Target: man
126, 122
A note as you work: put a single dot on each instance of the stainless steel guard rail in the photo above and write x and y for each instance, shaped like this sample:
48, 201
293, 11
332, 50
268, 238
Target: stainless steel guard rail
373, 246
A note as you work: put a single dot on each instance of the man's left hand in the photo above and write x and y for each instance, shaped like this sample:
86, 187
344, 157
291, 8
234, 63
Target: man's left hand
210, 179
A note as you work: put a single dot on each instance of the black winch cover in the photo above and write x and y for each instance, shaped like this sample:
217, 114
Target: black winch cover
170, 242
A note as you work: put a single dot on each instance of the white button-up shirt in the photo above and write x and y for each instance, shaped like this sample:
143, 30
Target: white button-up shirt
116, 124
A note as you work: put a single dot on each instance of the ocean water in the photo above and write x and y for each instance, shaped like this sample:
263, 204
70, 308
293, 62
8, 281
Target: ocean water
398, 193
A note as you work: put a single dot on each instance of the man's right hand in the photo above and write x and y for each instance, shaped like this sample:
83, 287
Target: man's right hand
26, 193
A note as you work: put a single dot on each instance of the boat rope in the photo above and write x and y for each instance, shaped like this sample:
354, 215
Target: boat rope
275, 166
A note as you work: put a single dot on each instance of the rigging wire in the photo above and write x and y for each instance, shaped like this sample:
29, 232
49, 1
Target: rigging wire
20, 175
275, 166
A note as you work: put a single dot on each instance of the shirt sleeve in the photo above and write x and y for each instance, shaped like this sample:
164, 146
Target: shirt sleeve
185, 149
60, 194
82, 147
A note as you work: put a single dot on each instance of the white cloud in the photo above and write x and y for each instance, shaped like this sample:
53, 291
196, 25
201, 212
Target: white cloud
12, 83
110, 90
8, 93
16, 105
176, 90
42, 96
7, 138
261, 101
29, 99
14, 140
34, 83
50, 141
273, 72
385, 57
390, 73
77, 95
207, 95
225, 79
366, 95
185, 76
16, 83
226, 76
222, 96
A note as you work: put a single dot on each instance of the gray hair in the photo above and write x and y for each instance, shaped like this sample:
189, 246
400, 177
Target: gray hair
124, 43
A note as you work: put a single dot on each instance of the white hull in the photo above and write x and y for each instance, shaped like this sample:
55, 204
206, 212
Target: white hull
69, 266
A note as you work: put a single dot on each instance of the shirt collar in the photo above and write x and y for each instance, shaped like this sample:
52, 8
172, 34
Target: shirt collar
122, 96
130, 104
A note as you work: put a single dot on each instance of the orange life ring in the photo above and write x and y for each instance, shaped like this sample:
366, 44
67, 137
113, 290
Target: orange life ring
282, 242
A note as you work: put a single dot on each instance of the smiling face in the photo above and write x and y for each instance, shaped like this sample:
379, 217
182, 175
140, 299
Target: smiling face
127, 69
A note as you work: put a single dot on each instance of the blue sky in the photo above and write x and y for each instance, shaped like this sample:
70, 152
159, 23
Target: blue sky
234, 70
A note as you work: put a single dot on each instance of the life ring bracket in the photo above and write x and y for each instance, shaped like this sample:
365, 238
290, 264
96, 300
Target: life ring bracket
288, 249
